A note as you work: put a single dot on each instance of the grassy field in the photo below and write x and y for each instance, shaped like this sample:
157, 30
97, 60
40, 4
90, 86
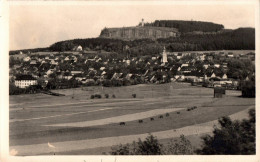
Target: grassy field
36, 120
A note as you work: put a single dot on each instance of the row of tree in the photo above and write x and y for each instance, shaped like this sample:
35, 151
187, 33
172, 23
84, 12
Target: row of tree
187, 26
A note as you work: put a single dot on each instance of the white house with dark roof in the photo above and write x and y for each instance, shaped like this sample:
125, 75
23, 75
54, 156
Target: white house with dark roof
78, 48
23, 81
26, 59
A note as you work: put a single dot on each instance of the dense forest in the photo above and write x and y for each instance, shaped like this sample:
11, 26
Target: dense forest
239, 39
187, 26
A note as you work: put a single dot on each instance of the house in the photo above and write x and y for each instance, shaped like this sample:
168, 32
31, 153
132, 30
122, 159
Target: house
128, 62
67, 58
26, 59
154, 58
179, 56
128, 76
201, 56
213, 75
224, 76
23, 81
209, 58
79, 77
33, 62
217, 65
224, 65
205, 66
116, 75
78, 48
76, 72
103, 73
50, 71
184, 65
67, 76
179, 77
53, 62
230, 55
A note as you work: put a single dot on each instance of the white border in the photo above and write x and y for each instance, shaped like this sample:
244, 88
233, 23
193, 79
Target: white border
4, 100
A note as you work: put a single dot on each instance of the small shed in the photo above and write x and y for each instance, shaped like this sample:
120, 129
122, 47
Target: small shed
219, 92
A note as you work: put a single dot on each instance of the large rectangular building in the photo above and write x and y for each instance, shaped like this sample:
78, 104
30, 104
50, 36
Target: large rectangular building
24, 81
139, 32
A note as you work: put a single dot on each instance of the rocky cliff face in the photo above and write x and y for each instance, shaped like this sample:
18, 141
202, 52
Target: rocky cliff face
139, 32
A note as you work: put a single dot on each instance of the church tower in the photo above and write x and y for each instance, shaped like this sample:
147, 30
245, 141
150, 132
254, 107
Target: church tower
164, 56
142, 23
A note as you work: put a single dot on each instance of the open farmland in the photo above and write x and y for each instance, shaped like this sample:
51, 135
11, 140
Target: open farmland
75, 124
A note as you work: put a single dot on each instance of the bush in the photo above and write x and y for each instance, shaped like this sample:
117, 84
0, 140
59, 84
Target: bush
167, 114
178, 112
231, 138
92, 96
113, 96
134, 95
140, 121
107, 95
122, 123
98, 96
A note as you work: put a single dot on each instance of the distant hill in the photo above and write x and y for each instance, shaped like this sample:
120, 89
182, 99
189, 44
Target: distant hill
160, 29
238, 39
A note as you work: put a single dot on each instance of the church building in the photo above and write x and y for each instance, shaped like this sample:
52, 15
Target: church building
164, 57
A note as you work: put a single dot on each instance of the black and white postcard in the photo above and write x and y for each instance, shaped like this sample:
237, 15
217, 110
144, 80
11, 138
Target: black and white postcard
124, 81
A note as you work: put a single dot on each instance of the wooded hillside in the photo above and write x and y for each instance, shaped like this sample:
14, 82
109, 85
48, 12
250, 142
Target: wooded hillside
187, 26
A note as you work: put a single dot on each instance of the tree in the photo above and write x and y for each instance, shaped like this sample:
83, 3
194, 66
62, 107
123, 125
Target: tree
248, 88
150, 146
232, 138
181, 146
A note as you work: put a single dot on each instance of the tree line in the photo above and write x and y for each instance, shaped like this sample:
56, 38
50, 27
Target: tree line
187, 26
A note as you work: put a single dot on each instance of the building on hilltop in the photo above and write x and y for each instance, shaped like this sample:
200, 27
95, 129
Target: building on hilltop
139, 32
23, 81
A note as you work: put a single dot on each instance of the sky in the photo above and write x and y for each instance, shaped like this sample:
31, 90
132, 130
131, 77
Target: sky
34, 26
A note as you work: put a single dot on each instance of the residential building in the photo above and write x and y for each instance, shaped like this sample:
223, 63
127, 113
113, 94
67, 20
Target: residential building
23, 81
